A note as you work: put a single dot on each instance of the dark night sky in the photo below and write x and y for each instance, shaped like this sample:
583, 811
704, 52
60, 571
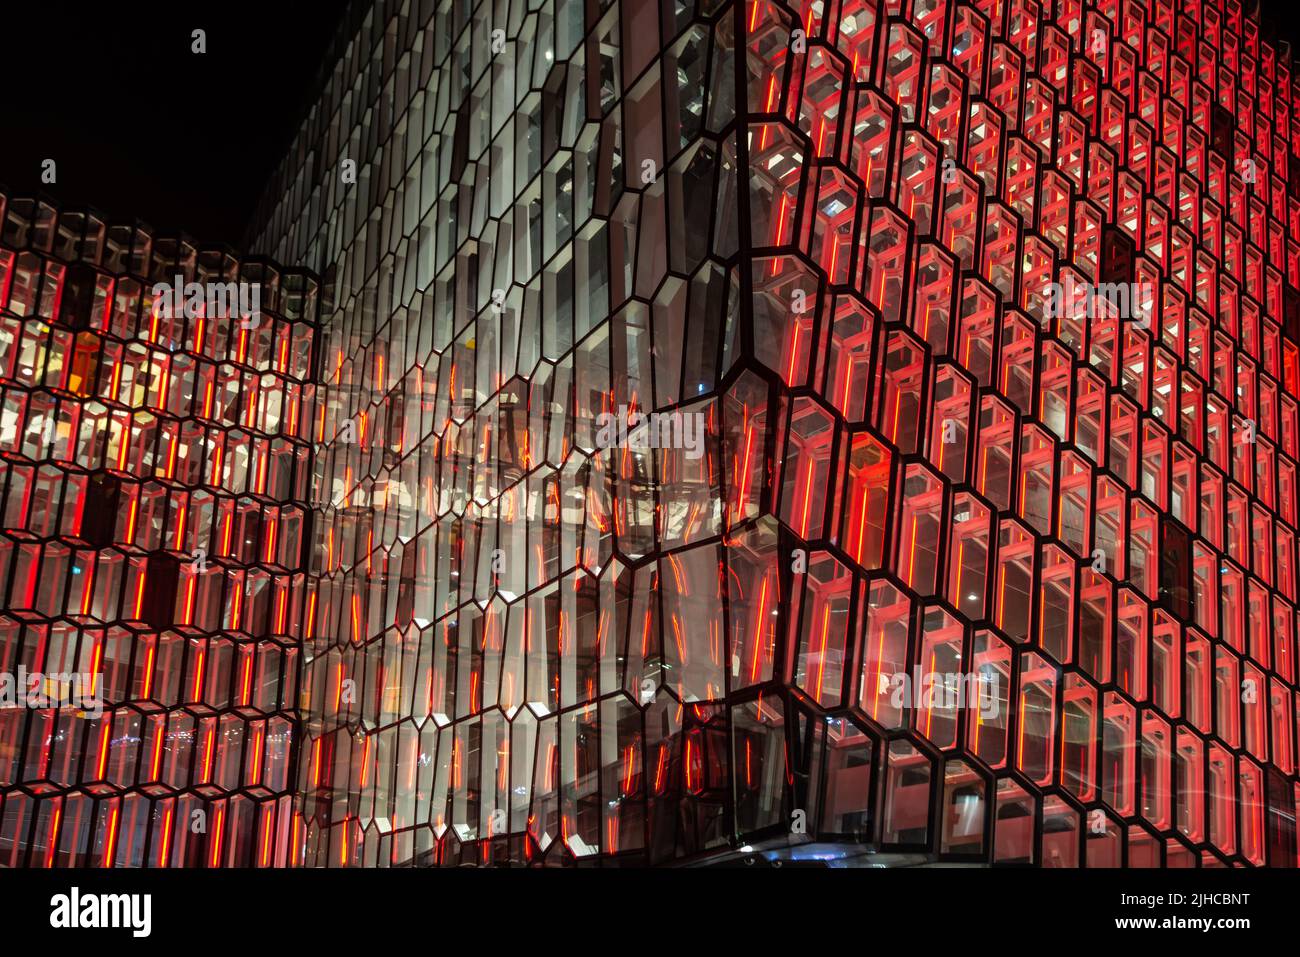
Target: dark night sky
139, 126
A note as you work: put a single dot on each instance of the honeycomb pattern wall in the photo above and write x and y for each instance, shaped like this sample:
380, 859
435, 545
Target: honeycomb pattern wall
520, 651
155, 468
461, 621
831, 229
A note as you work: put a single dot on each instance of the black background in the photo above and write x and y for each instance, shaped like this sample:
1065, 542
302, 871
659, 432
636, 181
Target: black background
142, 128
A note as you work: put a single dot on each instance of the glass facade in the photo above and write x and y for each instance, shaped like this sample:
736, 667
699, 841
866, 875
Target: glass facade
861, 429
521, 649
156, 469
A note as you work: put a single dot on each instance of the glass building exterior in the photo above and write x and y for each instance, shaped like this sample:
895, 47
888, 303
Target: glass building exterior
959, 566
156, 470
